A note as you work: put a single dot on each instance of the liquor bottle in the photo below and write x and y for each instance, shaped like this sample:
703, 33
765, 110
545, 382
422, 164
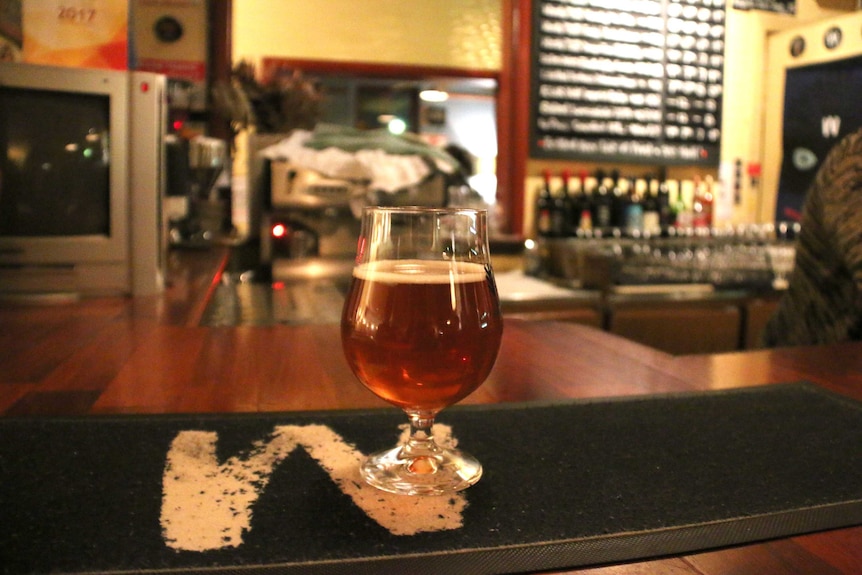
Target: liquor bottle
682, 211
561, 211
582, 207
701, 206
634, 212
585, 222
544, 207
601, 201
665, 213
572, 201
619, 202
652, 221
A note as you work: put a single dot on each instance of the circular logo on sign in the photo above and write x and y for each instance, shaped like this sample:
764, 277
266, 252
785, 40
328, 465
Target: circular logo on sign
168, 29
797, 46
832, 38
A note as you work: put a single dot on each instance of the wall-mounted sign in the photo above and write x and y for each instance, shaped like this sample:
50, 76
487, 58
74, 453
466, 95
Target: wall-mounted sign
170, 38
820, 108
832, 38
85, 33
633, 80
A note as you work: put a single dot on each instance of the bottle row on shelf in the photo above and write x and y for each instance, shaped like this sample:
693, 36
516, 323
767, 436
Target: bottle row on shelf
609, 204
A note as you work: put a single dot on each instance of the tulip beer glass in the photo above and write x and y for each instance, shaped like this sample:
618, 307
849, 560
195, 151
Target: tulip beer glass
421, 328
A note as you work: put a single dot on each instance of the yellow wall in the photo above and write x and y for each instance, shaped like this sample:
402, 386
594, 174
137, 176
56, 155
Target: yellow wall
450, 33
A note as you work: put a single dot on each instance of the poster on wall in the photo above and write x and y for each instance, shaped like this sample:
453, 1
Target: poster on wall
821, 106
80, 33
638, 81
170, 38
10, 31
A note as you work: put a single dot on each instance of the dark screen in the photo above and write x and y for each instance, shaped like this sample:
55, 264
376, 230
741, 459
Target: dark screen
54, 163
820, 109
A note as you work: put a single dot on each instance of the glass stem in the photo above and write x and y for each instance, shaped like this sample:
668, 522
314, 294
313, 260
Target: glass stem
421, 449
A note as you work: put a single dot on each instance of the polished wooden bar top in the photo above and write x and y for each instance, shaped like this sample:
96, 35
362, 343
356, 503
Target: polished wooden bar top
149, 355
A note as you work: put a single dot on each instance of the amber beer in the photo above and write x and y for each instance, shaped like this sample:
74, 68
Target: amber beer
421, 334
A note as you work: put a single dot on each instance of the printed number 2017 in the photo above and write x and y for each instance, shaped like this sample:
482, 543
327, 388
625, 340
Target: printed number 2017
76, 15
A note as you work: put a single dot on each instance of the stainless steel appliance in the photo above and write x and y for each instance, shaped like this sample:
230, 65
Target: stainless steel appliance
310, 227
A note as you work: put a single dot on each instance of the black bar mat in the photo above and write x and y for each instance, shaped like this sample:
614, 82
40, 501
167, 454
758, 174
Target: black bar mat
566, 484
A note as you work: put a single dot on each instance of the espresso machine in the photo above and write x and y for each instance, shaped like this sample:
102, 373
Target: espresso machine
310, 225
308, 229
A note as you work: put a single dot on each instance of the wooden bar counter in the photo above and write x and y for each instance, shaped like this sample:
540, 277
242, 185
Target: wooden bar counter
149, 355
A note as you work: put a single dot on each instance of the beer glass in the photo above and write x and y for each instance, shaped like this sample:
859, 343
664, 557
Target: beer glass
421, 328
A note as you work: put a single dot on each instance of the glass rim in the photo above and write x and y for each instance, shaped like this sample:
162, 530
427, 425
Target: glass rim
424, 210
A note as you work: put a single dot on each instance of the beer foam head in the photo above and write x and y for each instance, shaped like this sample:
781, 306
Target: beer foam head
420, 271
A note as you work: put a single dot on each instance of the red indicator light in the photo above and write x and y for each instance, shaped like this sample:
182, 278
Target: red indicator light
279, 231
755, 169
178, 125
145, 87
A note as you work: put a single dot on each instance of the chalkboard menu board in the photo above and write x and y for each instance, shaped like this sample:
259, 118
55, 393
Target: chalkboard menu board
627, 80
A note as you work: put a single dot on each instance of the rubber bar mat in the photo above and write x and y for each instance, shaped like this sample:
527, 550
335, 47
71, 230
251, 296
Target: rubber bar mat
565, 484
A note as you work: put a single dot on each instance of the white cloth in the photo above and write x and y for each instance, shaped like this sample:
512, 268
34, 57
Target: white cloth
383, 171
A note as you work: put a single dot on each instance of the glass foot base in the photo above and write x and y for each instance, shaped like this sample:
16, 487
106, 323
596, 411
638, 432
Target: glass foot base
436, 473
